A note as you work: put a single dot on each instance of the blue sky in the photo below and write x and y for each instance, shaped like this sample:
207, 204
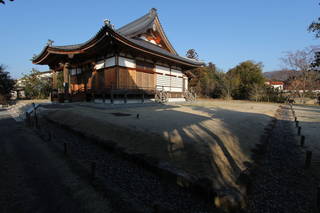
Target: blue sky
223, 32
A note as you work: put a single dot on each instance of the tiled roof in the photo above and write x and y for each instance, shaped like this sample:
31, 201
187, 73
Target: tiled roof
137, 26
127, 32
155, 48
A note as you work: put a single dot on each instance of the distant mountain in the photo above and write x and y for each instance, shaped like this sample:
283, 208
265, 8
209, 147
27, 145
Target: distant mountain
280, 75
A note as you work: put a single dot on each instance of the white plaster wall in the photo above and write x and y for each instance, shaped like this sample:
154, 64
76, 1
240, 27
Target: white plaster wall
109, 62
185, 83
73, 71
163, 70
176, 72
99, 65
126, 62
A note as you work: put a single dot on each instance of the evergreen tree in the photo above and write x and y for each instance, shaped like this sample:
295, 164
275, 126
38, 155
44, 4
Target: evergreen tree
192, 54
246, 77
6, 85
36, 87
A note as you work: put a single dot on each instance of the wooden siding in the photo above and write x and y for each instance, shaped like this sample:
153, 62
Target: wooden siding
96, 80
110, 77
130, 78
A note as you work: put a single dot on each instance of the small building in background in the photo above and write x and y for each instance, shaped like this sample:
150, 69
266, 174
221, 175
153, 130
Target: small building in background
279, 85
19, 90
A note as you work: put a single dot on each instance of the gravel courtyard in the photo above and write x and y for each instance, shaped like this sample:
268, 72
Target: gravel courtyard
207, 139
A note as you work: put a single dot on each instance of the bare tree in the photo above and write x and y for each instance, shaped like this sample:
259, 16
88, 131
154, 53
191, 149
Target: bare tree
227, 86
257, 92
301, 60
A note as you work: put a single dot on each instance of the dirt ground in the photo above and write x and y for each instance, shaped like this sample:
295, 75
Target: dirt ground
210, 139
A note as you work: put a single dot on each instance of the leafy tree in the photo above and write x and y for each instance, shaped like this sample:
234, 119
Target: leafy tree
3, 2
315, 28
6, 85
192, 54
245, 77
60, 81
206, 81
36, 87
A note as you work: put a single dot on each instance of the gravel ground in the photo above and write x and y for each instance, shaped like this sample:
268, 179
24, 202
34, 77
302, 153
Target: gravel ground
143, 188
35, 179
281, 184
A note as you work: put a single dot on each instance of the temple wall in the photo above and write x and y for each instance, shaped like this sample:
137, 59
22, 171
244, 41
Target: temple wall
128, 73
132, 78
171, 80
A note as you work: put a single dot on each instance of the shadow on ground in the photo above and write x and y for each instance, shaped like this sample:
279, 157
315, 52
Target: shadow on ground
206, 142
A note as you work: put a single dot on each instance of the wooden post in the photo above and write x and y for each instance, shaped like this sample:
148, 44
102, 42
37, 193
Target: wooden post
143, 97
93, 170
92, 97
125, 97
156, 208
308, 159
111, 96
299, 130
302, 139
295, 119
65, 148
36, 118
27, 118
49, 136
104, 97
318, 197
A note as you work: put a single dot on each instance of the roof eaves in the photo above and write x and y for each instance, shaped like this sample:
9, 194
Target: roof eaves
155, 49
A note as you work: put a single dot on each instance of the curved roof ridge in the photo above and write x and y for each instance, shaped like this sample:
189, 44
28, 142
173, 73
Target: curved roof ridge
143, 23
76, 46
138, 24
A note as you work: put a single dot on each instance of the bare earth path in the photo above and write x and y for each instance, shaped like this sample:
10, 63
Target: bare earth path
281, 183
32, 178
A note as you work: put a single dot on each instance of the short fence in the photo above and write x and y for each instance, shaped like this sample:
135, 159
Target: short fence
31, 115
308, 154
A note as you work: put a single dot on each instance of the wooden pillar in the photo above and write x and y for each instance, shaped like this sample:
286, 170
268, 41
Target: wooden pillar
170, 78
117, 71
66, 78
142, 97
54, 79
